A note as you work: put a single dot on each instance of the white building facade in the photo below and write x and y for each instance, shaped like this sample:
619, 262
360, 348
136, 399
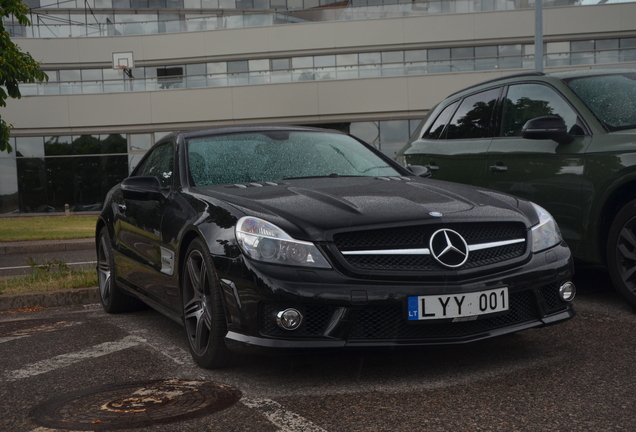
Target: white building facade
364, 67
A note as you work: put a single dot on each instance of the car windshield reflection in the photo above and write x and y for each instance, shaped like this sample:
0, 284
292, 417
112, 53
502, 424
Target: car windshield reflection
275, 156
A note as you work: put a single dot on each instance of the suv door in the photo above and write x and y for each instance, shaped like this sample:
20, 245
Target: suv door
455, 146
543, 171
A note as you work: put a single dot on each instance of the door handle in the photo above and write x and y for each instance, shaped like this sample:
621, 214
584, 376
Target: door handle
432, 167
498, 168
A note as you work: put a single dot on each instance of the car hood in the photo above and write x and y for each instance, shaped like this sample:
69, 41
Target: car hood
313, 209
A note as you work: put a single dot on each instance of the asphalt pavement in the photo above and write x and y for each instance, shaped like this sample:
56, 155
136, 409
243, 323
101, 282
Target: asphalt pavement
14, 258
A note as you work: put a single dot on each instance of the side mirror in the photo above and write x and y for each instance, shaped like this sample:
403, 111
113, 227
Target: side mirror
547, 127
419, 170
146, 188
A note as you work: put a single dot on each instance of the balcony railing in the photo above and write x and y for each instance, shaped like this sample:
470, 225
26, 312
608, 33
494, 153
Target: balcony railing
55, 24
329, 73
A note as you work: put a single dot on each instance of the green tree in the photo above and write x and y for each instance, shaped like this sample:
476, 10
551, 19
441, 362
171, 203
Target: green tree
15, 66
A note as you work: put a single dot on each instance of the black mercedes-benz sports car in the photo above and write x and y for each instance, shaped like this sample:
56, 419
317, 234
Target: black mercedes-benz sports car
287, 238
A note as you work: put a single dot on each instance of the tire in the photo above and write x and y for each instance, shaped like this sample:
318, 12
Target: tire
114, 299
203, 314
621, 252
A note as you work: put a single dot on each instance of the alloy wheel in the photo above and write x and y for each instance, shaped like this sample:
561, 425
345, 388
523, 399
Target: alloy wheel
103, 270
196, 309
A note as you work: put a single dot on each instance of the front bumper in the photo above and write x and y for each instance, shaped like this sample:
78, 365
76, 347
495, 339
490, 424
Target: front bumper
344, 312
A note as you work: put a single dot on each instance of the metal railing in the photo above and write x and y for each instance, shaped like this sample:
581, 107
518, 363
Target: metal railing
328, 73
52, 25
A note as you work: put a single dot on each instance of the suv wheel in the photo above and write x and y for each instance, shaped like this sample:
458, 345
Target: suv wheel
621, 252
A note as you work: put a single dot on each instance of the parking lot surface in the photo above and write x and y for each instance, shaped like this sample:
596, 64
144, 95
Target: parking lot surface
78, 368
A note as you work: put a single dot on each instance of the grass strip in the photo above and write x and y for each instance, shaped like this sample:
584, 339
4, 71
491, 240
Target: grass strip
41, 281
46, 228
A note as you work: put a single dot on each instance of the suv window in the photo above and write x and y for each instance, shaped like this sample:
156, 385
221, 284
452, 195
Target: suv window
437, 128
473, 118
527, 101
159, 164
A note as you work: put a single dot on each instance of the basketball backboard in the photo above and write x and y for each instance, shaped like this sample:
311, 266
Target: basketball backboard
123, 60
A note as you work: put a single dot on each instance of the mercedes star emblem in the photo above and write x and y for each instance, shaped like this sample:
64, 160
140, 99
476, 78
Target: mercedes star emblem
448, 248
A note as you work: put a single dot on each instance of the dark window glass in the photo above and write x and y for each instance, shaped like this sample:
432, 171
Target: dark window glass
60, 178
437, 128
32, 185
473, 118
528, 101
58, 145
280, 64
86, 144
87, 183
114, 143
439, 54
114, 170
466, 52
159, 164
237, 66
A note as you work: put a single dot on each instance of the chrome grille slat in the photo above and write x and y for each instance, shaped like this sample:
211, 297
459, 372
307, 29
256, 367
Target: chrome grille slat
406, 249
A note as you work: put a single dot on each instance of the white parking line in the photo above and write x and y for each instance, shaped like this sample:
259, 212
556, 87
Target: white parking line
10, 338
19, 334
64, 360
287, 421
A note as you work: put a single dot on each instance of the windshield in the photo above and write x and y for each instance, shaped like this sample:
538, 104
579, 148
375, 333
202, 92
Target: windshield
278, 155
612, 98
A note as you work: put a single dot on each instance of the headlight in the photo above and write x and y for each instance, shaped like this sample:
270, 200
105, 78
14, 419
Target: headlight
263, 241
546, 234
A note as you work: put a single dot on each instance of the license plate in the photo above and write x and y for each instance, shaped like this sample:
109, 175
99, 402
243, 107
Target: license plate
458, 305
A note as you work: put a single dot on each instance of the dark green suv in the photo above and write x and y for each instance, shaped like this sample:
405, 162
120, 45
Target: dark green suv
566, 141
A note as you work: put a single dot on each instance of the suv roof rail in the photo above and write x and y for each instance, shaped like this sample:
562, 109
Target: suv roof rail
522, 74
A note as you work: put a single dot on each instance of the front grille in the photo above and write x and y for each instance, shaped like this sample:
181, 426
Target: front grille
418, 237
389, 322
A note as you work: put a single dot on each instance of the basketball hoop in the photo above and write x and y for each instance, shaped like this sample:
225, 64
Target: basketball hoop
126, 70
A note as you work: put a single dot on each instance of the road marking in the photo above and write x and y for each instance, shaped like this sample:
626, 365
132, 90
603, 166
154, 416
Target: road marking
68, 264
10, 338
65, 360
287, 421
19, 334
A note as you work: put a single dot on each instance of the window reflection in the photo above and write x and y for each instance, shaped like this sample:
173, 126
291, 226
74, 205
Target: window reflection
528, 101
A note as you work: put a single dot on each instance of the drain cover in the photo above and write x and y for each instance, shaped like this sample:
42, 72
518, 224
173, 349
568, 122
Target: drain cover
135, 405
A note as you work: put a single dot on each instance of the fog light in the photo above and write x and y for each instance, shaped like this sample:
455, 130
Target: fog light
567, 291
289, 319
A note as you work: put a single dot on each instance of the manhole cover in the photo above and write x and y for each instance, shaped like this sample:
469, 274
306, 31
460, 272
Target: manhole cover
135, 405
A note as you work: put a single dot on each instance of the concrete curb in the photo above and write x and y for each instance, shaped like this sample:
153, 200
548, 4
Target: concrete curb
37, 246
76, 296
